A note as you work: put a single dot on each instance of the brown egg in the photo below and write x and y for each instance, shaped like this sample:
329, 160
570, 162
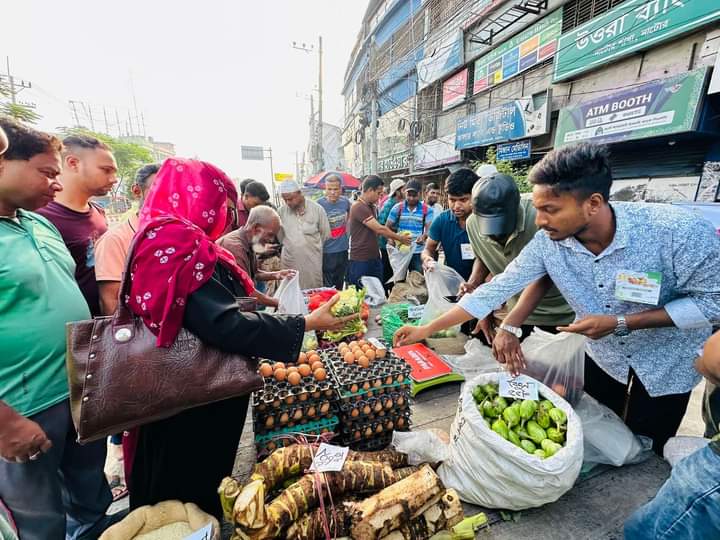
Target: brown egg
302, 358
304, 370
354, 413
266, 370
284, 417
353, 344
310, 353
380, 353
362, 343
292, 369
370, 355
280, 374
325, 407
363, 362
349, 358
313, 358
359, 354
320, 374
316, 365
294, 378
278, 365
270, 421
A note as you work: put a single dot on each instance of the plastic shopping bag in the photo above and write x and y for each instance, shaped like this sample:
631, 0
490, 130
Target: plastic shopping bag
393, 316
374, 291
478, 358
426, 446
399, 261
607, 440
292, 302
490, 471
558, 361
442, 281
678, 448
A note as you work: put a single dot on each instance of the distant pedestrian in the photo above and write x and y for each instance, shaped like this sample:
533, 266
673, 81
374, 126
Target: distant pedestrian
252, 194
335, 249
412, 217
396, 195
432, 198
364, 231
89, 170
305, 228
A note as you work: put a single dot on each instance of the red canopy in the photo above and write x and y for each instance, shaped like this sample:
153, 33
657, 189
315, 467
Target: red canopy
348, 180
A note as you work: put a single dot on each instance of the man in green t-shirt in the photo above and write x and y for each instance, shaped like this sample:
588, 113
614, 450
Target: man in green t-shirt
53, 486
500, 227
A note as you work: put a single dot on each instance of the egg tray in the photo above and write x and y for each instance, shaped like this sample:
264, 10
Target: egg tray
281, 394
370, 406
283, 437
353, 430
353, 380
271, 419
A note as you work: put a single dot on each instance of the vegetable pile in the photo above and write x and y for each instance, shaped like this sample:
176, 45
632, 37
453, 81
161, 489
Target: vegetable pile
538, 427
351, 302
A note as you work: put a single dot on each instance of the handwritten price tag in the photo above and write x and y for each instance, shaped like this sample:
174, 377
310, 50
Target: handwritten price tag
520, 387
375, 342
416, 312
329, 458
206, 533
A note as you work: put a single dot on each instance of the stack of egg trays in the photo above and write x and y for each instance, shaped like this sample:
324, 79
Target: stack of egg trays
267, 442
358, 432
280, 405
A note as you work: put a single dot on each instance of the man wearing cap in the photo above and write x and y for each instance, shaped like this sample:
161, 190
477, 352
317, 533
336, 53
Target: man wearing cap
414, 217
501, 225
397, 194
305, 228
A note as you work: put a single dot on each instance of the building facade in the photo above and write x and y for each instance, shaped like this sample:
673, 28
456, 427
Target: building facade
450, 79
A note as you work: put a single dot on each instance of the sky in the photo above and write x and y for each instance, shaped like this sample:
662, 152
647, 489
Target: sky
208, 76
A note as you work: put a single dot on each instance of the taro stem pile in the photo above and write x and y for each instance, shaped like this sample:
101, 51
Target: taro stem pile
536, 426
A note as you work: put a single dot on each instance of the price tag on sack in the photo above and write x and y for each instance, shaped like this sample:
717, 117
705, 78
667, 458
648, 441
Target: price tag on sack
206, 533
329, 458
416, 312
520, 387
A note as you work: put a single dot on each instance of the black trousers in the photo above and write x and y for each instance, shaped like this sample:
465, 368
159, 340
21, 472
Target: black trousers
387, 271
655, 417
334, 268
186, 456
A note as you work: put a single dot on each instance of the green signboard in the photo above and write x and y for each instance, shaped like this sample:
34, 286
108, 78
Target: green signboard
659, 107
632, 26
519, 53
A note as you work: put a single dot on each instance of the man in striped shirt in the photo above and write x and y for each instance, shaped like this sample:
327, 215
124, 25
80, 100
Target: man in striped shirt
412, 217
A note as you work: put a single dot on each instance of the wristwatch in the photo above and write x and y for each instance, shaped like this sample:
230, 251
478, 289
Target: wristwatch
621, 329
514, 330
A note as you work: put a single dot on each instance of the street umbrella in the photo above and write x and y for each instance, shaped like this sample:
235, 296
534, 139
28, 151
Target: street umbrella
318, 181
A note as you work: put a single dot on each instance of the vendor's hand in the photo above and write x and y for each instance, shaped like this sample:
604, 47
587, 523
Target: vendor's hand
282, 274
506, 349
22, 440
429, 265
421, 239
407, 335
486, 326
593, 326
465, 288
322, 318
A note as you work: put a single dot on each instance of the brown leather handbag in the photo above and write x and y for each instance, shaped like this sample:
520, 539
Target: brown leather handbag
119, 378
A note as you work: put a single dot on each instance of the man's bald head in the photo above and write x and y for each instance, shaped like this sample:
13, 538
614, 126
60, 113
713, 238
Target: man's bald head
263, 216
262, 227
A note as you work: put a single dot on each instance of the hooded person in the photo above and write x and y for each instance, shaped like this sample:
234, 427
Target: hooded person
181, 279
305, 228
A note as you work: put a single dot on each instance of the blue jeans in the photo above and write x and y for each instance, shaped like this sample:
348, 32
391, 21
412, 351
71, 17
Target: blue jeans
415, 263
358, 269
687, 505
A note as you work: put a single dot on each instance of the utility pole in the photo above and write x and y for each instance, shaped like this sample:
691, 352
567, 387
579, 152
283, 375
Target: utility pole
321, 158
75, 114
16, 85
107, 127
297, 168
313, 134
272, 177
373, 112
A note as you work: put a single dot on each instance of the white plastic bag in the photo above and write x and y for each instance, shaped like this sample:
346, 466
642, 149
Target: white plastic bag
607, 440
678, 448
374, 291
292, 302
426, 446
478, 358
489, 471
558, 361
442, 281
400, 262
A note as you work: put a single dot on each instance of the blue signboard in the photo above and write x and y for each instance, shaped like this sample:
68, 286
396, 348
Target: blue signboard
517, 119
514, 151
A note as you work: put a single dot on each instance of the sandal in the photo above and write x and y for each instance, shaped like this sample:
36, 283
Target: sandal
118, 489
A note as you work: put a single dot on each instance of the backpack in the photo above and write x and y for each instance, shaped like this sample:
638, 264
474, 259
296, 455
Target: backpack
424, 214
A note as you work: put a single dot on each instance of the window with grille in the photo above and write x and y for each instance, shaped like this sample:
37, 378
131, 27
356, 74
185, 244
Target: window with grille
577, 12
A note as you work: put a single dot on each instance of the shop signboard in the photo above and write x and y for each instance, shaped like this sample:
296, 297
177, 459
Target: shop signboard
436, 153
632, 26
518, 119
656, 108
714, 87
514, 151
443, 57
394, 162
454, 89
519, 53
282, 177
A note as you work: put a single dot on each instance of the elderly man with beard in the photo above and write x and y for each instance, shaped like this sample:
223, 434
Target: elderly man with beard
253, 239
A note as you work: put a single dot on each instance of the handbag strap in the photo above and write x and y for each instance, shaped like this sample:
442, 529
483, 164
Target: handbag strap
123, 316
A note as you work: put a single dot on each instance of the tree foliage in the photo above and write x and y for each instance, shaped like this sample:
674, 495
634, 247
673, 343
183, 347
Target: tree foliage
519, 173
129, 156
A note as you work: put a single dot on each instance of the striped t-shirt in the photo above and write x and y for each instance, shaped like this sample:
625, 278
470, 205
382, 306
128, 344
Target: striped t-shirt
410, 220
